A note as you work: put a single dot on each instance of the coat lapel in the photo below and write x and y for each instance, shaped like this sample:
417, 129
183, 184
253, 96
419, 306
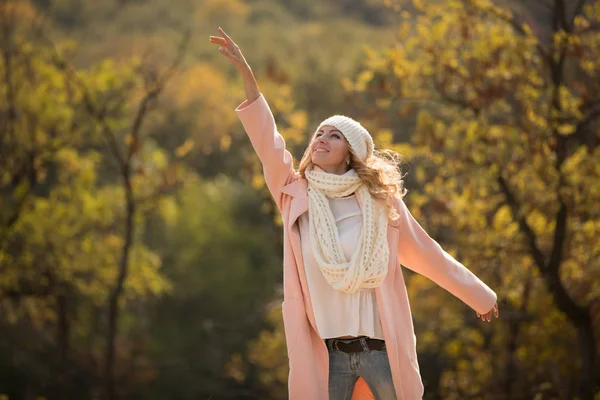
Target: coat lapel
298, 206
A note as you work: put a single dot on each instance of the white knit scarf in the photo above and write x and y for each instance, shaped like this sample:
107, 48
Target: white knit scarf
369, 264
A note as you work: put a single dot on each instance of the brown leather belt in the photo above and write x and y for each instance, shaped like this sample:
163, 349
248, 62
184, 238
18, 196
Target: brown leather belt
355, 345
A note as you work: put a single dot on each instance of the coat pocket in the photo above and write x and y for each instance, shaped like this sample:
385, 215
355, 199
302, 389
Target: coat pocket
290, 309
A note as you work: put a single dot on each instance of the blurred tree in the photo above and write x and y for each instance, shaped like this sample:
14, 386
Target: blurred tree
122, 129
508, 142
56, 211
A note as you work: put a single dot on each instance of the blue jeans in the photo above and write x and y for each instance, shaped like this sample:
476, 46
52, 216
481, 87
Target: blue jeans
372, 365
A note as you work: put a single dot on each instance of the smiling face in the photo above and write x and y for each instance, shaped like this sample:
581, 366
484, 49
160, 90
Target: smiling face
330, 150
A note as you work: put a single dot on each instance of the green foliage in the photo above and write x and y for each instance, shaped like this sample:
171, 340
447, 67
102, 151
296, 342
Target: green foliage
223, 269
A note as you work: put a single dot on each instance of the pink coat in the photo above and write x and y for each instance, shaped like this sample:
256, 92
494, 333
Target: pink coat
409, 245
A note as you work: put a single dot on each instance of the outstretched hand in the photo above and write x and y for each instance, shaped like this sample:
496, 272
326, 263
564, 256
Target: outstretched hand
488, 316
230, 50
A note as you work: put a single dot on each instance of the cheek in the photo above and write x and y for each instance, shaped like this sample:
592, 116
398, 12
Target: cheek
339, 151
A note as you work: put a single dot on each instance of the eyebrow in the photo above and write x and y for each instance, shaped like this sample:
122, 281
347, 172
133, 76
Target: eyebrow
333, 130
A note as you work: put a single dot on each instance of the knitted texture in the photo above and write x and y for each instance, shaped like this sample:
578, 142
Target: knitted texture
358, 137
369, 264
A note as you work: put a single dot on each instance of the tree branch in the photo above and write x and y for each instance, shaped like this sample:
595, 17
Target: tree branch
153, 93
560, 230
131, 206
560, 16
530, 237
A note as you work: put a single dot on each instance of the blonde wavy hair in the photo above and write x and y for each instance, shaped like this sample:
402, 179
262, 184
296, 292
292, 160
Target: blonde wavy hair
380, 172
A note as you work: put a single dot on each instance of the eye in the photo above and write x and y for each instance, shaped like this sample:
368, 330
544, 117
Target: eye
335, 135
318, 134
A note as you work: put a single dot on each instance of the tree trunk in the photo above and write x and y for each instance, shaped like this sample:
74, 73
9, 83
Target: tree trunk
588, 355
60, 380
113, 301
511, 371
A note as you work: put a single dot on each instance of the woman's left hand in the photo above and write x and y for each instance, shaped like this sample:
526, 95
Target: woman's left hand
488, 316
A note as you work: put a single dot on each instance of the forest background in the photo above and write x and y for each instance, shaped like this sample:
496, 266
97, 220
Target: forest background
140, 253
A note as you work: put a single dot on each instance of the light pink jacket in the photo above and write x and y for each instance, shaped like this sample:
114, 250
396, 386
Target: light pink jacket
409, 245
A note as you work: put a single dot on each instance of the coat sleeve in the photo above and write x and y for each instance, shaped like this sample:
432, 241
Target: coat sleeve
422, 254
269, 145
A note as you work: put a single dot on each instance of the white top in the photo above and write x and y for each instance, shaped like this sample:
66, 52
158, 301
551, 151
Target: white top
338, 313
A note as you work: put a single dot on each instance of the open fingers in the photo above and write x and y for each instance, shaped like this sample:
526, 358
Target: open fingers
485, 317
225, 49
227, 38
218, 40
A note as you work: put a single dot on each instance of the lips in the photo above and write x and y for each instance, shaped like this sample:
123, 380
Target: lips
320, 150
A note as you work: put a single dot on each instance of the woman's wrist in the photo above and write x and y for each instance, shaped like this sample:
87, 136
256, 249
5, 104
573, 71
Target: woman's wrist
250, 85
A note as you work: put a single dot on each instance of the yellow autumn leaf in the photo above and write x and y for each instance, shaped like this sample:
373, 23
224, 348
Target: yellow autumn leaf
566, 129
185, 148
258, 181
225, 142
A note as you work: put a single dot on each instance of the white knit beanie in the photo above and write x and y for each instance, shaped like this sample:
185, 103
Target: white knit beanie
361, 142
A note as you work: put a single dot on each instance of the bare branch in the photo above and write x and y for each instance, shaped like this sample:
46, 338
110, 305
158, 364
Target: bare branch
153, 93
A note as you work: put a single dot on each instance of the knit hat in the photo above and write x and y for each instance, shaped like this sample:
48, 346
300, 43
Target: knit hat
361, 142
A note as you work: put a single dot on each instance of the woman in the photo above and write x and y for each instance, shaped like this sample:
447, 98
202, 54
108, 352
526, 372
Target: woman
346, 313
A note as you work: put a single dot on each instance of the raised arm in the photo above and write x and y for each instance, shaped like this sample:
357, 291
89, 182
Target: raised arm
257, 118
420, 253
269, 145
